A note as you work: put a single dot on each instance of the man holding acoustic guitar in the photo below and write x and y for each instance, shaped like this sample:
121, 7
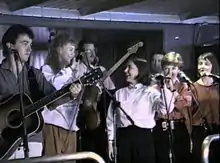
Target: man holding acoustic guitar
17, 48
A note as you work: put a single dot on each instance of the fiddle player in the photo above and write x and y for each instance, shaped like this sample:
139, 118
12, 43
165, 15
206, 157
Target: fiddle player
95, 138
60, 69
134, 135
19, 38
89, 58
179, 117
205, 111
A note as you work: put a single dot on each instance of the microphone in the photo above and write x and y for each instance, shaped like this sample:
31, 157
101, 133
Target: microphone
161, 77
183, 76
13, 51
213, 76
79, 56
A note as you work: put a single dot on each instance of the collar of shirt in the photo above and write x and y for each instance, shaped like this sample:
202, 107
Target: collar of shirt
5, 65
135, 87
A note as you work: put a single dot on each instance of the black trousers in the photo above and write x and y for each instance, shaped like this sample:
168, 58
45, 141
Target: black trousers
198, 135
135, 145
180, 144
95, 141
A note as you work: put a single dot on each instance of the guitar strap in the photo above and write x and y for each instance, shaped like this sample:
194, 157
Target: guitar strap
33, 85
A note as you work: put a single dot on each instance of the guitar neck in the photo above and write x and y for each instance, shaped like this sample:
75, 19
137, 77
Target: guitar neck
130, 50
86, 79
46, 100
115, 67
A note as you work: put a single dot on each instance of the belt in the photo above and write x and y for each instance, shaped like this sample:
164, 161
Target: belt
181, 120
164, 123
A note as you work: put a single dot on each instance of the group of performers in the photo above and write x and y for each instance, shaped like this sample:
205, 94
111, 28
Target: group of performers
158, 117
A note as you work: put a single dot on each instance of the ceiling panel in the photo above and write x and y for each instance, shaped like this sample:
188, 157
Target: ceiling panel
62, 4
14, 5
172, 7
186, 9
86, 7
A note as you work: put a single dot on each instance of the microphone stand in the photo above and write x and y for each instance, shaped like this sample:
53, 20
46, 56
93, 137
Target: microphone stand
217, 80
189, 83
219, 109
116, 104
21, 92
169, 122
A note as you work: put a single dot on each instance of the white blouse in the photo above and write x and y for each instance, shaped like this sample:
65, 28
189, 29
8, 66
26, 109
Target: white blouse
140, 103
64, 115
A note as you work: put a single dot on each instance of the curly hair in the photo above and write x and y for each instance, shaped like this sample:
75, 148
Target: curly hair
59, 41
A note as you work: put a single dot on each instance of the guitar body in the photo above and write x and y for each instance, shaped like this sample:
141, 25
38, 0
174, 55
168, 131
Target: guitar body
11, 128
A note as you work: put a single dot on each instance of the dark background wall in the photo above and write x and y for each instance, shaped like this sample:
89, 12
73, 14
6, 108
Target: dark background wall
190, 39
113, 44
184, 39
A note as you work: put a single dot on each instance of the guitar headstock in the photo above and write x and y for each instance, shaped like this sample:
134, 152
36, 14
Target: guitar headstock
91, 77
133, 49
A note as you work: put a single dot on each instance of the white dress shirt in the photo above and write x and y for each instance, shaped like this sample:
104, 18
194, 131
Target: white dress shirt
140, 103
64, 115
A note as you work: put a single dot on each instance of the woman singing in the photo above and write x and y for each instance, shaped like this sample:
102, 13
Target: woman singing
59, 134
135, 116
176, 142
205, 112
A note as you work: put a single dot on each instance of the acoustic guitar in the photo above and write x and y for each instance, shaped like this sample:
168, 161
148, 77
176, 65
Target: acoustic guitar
11, 128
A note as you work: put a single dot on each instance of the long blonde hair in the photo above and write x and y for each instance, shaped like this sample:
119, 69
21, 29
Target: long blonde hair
58, 41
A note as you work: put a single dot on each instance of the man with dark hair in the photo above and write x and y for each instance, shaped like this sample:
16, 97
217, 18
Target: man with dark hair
12, 34
17, 47
156, 62
156, 67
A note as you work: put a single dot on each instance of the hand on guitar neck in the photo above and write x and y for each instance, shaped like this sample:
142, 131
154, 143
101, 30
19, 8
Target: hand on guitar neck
74, 90
11, 122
